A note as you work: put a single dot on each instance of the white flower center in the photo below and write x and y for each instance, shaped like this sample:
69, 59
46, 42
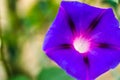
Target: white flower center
81, 45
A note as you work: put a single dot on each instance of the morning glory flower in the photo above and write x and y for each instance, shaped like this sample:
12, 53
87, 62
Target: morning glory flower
84, 40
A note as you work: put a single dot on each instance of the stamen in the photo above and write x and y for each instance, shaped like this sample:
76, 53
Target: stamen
81, 45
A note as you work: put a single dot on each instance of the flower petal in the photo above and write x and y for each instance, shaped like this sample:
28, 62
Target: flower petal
59, 32
84, 16
71, 61
108, 31
106, 36
101, 60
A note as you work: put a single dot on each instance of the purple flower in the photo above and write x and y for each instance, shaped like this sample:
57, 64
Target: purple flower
84, 40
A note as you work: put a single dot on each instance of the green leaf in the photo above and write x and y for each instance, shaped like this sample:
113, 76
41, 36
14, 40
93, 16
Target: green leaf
113, 3
53, 73
19, 77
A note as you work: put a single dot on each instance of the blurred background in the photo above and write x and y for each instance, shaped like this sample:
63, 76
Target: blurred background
23, 24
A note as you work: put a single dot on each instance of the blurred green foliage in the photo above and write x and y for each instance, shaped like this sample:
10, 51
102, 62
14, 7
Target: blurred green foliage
53, 73
41, 14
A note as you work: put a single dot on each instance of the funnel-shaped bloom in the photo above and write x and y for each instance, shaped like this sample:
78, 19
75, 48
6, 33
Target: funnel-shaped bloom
84, 40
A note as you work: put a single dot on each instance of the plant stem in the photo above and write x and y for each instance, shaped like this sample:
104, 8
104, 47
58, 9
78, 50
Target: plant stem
4, 61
